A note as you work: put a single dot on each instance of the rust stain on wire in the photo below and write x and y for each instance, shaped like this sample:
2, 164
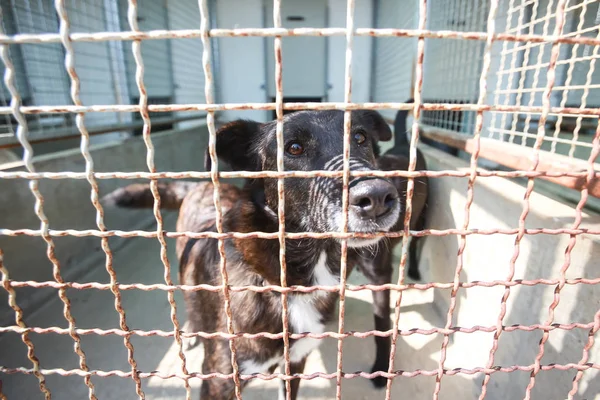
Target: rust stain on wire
296, 235
158, 34
582, 175
9, 81
89, 172
278, 336
21, 133
550, 173
24, 330
491, 26
592, 112
350, 4
314, 375
214, 176
278, 54
409, 188
301, 289
136, 48
551, 76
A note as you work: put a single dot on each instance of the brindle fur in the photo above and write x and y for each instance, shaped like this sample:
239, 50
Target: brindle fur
311, 205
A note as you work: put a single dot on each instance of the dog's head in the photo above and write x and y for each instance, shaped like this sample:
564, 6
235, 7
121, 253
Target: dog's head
313, 140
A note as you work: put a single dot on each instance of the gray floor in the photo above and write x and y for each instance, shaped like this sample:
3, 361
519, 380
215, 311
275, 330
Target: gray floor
139, 262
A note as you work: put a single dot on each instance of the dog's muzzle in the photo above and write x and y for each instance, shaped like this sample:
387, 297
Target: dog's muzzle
374, 207
373, 199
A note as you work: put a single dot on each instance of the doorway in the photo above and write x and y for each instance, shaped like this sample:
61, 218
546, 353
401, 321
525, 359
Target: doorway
303, 58
294, 100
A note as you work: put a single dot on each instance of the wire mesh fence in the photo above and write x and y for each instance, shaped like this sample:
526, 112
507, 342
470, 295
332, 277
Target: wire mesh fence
481, 76
106, 69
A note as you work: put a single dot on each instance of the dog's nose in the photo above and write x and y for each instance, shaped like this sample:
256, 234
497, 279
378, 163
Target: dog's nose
373, 198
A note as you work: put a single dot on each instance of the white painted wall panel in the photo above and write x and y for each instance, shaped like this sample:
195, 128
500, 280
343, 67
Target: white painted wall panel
242, 60
361, 54
303, 58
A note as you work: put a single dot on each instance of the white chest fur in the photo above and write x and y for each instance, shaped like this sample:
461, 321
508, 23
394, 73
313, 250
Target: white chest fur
303, 317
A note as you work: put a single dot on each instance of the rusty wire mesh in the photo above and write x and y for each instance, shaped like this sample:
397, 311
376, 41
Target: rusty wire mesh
547, 44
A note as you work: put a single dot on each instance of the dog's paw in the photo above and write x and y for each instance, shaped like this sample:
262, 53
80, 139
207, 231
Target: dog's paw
379, 381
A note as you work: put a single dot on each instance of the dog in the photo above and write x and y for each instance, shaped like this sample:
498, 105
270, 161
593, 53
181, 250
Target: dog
313, 141
377, 266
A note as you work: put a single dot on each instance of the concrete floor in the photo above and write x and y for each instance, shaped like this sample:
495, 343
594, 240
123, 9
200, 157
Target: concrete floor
138, 261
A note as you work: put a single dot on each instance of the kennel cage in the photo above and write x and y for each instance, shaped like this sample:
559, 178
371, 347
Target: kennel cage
512, 84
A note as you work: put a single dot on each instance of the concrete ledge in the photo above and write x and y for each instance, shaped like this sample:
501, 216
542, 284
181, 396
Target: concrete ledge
67, 206
498, 203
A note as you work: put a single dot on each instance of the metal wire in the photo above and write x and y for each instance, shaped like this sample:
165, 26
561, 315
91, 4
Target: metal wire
206, 63
89, 170
526, 205
589, 111
280, 193
132, 13
274, 32
21, 133
12, 302
468, 95
470, 190
315, 375
409, 187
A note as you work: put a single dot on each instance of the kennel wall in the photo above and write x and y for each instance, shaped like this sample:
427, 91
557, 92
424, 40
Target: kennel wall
511, 253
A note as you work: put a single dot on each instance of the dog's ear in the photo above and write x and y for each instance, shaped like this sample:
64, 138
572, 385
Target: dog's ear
234, 146
375, 121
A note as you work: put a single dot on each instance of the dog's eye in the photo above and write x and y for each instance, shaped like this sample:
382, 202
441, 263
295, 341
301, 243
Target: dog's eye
294, 148
360, 137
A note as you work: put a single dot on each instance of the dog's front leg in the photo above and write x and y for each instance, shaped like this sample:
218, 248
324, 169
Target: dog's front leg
413, 266
217, 358
381, 311
295, 368
379, 271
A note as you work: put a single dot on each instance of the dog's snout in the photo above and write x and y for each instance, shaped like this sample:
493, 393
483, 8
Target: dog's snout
373, 198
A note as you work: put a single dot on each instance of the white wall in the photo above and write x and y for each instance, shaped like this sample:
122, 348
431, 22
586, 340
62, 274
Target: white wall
243, 69
498, 203
242, 60
361, 54
303, 57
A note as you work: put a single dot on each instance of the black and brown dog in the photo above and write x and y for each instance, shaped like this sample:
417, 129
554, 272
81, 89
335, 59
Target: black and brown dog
313, 141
